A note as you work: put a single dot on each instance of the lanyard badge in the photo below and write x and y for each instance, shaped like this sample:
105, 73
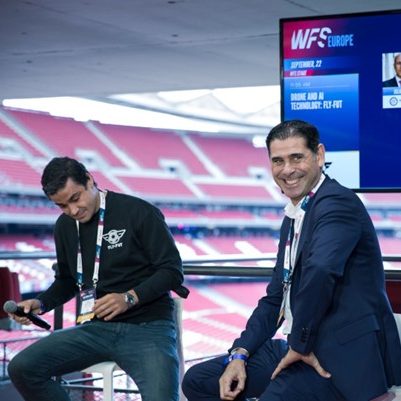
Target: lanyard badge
86, 305
88, 296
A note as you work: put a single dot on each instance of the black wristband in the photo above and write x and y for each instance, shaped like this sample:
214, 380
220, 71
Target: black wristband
42, 307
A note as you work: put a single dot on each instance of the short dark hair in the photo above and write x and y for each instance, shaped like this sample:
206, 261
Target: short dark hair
291, 128
59, 170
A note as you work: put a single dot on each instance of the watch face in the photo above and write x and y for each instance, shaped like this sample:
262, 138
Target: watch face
129, 298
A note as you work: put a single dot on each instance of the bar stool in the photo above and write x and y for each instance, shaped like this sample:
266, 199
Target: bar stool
106, 369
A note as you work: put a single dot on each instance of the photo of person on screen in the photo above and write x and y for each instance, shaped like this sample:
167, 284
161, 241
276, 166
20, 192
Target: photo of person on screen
396, 80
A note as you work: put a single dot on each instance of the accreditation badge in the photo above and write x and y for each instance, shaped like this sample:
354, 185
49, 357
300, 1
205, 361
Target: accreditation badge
86, 306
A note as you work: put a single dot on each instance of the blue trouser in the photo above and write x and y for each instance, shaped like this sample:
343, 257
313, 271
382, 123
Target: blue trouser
146, 351
299, 382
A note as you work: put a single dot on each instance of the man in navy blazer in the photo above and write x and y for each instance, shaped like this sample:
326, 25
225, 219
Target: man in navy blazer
396, 80
327, 291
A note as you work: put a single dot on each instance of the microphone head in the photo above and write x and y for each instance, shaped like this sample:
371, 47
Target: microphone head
10, 307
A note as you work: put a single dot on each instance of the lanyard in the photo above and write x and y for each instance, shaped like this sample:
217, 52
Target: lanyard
290, 252
99, 237
291, 245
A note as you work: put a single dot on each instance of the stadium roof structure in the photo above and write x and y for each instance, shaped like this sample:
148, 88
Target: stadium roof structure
97, 48
146, 55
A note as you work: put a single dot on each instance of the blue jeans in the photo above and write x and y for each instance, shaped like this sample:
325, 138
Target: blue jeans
146, 351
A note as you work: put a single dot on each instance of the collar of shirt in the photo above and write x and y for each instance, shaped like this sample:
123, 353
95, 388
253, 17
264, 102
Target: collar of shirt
292, 210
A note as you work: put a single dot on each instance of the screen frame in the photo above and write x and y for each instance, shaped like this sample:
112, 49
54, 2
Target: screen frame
283, 21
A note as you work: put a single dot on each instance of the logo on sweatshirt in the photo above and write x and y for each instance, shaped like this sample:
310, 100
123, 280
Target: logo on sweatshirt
113, 238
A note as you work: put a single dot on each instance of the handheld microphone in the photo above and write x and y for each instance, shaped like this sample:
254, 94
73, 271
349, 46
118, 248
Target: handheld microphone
12, 307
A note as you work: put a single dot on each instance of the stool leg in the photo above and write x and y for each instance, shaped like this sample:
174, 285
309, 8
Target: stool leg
106, 369
108, 388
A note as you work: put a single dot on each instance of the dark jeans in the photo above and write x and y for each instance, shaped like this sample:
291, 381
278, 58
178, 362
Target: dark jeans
147, 352
299, 382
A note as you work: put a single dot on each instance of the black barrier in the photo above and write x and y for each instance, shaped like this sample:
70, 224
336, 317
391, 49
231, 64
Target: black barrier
202, 266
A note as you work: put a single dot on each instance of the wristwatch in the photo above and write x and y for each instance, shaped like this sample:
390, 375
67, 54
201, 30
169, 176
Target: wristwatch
129, 299
239, 350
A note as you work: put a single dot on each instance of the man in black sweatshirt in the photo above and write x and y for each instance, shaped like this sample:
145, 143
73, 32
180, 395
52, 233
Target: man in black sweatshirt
117, 253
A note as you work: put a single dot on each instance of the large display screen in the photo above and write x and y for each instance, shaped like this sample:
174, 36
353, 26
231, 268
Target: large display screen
337, 72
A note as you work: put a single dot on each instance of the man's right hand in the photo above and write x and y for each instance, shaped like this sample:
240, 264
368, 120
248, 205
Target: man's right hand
29, 305
232, 381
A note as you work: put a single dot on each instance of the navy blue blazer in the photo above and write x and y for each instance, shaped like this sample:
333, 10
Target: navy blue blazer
390, 83
340, 308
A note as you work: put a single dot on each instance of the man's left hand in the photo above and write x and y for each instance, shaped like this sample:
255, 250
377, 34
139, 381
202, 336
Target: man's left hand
293, 356
110, 306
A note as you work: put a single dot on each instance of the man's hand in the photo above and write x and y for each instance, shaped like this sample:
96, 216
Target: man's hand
232, 381
110, 306
29, 305
293, 356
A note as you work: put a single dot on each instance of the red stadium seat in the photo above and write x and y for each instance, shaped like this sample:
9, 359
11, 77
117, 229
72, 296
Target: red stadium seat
394, 294
6, 289
16, 287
